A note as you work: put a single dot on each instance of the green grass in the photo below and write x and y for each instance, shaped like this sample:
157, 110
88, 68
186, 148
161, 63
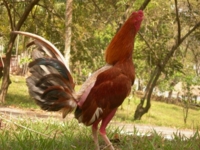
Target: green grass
17, 95
22, 133
160, 114
51, 134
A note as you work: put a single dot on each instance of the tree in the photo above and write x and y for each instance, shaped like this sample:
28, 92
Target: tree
159, 48
6, 77
68, 30
163, 60
94, 24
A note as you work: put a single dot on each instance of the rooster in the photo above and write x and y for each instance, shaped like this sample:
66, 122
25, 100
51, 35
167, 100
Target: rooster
52, 87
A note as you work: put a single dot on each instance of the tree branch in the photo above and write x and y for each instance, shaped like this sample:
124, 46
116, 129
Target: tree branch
95, 4
26, 13
9, 14
51, 10
192, 30
144, 5
178, 22
174, 47
146, 42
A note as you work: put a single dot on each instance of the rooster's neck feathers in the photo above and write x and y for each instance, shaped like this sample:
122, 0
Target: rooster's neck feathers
122, 44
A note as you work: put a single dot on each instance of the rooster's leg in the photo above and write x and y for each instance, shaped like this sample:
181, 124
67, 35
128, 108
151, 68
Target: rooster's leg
95, 134
104, 124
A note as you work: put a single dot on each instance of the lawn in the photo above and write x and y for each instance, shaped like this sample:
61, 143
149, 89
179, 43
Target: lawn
160, 114
21, 133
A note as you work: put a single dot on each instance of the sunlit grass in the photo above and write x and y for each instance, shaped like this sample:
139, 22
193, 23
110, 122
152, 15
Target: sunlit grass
17, 95
160, 114
44, 134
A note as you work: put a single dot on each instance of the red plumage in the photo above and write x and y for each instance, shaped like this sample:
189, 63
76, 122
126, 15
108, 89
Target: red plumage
52, 86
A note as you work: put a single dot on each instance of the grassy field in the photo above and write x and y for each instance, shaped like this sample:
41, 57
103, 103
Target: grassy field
22, 133
160, 114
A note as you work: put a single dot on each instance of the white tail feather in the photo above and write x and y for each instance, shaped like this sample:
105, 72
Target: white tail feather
45, 43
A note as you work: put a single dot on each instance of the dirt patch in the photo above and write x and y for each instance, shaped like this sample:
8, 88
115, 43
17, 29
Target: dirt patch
28, 112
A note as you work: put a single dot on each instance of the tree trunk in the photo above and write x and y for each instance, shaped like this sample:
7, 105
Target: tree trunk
140, 110
139, 85
172, 84
6, 77
68, 31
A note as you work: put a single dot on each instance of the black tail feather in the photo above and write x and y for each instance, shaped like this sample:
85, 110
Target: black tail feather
50, 83
50, 86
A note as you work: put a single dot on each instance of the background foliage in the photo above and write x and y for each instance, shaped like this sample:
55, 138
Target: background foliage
96, 21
